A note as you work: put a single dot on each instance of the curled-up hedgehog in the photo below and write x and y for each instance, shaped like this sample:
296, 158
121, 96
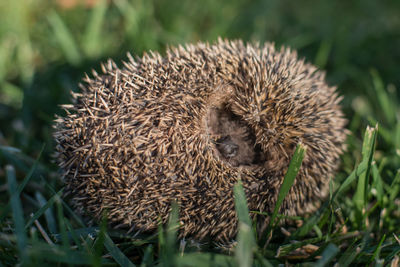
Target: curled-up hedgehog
187, 126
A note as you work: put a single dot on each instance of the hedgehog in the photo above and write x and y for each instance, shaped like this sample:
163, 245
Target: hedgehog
187, 126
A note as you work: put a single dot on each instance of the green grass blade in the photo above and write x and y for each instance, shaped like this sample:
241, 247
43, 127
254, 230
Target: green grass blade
246, 242
72, 233
131, 16
169, 250
394, 254
31, 172
309, 224
66, 206
81, 232
61, 223
288, 181
99, 244
17, 212
395, 187
10, 149
375, 255
148, 256
43, 209
73, 214
361, 168
263, 261
368, 148
23, 184
64, 38
48, 214
397, 138
377, 183
384, 100
92, 40
116, 253
161, 236
58, 254
5, 58
321, 59
327, 256
241, 204
13, 157
384, 132
284, 250
349, 255
313, 220
205, 259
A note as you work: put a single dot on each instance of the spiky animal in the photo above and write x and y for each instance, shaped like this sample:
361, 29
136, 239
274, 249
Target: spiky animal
187, 126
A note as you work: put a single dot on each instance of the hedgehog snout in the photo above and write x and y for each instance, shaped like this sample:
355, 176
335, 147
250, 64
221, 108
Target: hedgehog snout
227, 147
232, 138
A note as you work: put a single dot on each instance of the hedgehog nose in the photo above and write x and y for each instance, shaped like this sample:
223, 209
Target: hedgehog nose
231, 150
227, 147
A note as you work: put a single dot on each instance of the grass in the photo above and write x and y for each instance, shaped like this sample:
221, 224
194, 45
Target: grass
44, 51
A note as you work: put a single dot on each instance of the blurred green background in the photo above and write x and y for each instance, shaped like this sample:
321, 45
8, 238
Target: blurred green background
46, 46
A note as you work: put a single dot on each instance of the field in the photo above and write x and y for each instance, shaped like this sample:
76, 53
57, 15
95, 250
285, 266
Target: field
47, 46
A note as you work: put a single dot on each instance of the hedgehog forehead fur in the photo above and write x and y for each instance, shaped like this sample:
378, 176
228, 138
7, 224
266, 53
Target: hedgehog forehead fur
187, 126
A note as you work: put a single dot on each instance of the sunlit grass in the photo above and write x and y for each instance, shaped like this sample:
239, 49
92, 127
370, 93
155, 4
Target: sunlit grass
44, 52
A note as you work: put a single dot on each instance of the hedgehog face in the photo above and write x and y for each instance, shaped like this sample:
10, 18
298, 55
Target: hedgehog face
187, 126
233, 139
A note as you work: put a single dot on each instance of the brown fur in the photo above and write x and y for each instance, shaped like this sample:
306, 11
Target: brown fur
188, 126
